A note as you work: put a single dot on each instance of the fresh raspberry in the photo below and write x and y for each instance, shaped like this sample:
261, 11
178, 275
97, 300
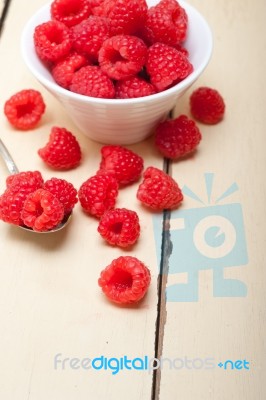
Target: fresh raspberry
158, 190
126, 280
207, 105
122, 56
64, 191
19, 186
24, 109
127, 17
166, 66
166, 23
92, 81
133, 87
89, 35
42, 211
52, 41
29, 179
62, 150
98, 194
125, 165
178, 137
64, 70
70, 12
120, 227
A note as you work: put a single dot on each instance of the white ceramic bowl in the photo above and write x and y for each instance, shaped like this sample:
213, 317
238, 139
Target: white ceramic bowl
117, 121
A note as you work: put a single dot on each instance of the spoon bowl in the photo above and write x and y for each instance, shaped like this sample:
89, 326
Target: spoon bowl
13, 169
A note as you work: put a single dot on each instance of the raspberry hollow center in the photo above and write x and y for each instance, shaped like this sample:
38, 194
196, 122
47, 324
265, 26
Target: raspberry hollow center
121, 280
117, 228
115, 57
24, 109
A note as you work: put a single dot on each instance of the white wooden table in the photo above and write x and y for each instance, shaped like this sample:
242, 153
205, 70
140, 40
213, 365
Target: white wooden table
215, 312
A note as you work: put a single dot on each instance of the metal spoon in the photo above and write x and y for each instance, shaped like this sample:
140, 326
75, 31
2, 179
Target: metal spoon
13, 169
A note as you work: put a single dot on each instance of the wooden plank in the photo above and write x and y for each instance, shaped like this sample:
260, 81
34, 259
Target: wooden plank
49, 299
218, 325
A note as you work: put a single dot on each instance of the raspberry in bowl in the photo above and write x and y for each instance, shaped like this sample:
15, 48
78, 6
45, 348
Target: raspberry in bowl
124, 84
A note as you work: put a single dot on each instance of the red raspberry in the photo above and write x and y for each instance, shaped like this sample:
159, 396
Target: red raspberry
52, 41
19, 186
178, 137
92, 81
126, 280
120, 227
133, 87
64, 70
122, 56
166, 23
70, 12
42, 211
166, 66
126, 16
158, 190
89, 36
29, 179
24, 109
98, 194
62, 150
64, 191
207, 105
122, 163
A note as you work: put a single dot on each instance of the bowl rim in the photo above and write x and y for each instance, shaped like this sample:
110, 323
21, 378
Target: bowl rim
54, 87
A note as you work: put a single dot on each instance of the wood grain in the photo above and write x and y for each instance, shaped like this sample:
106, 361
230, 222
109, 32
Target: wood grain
49, 299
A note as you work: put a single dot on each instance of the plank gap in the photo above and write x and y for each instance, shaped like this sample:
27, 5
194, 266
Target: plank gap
166, 250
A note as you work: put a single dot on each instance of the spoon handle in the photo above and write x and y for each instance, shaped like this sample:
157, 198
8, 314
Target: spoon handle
10, 163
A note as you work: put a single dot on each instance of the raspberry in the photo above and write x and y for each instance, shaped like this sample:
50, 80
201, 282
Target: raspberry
64, 191
122, 163
62, 150
29, 179
120, 227
24, 109
177, 138
89, 36
126, 280
52, 41
92, 81
133, 87
19, 186
166, 66
70, 12
207, 105
158, 190
42, 211
122, 56
126, 16
166, 23
98, 194
64, 70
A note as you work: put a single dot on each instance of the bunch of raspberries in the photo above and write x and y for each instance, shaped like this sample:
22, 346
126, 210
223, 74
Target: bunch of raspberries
114, 48
39, 205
